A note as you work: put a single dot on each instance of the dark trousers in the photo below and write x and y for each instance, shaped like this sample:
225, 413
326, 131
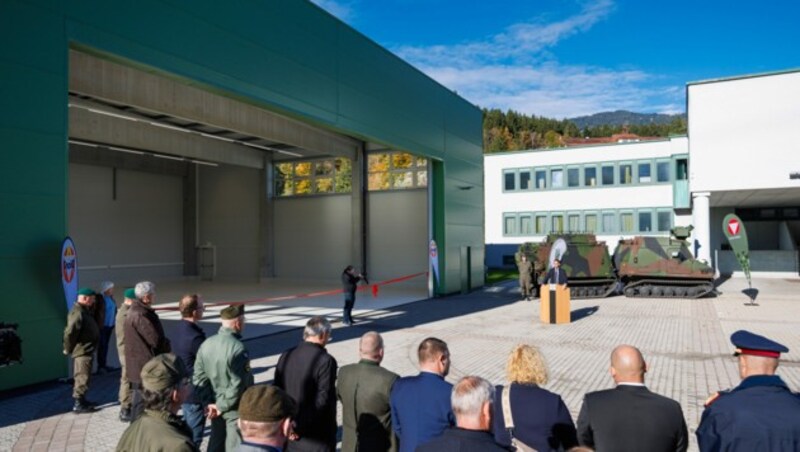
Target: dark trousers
195, 417
349, 302
102, 347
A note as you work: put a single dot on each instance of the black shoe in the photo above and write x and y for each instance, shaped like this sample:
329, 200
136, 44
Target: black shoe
125, 414
82, 406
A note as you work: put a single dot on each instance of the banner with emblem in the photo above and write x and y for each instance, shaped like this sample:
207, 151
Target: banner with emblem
434, 255
69, 272
733, 228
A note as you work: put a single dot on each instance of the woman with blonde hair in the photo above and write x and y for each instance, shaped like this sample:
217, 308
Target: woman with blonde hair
541, 419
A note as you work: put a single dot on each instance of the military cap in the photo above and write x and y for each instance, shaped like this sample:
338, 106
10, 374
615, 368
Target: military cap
266, 403
748, 343
130, 293
164, 371
233, 311
86, 291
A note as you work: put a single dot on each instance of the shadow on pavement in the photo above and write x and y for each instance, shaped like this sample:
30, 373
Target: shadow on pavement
582, 313
54, 398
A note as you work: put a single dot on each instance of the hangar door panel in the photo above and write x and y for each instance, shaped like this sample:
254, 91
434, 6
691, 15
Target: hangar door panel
126, 233
313, 237
398, 234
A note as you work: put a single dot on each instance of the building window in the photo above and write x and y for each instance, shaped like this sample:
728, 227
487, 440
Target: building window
557, 178
608, 175
645, 221
313, 177
591, 223
625, 173
509, 181
541, 179
541, 224
609, 222
626, 222
590, 176
574, 223
662, 171
525, 180
664, 221
396, 171
644, 173
681, 169
509, 225
573, 177
558, 223
525, 225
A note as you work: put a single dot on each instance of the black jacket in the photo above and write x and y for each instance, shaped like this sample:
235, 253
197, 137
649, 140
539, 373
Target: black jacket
457, 439
631, 418
308, 374
350, 282
551, 277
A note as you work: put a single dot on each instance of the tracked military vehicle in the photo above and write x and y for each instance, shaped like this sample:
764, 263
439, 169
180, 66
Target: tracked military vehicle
662, 267
585, 261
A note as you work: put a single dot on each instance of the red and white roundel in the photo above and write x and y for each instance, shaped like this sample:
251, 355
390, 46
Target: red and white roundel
433, 249
734, 228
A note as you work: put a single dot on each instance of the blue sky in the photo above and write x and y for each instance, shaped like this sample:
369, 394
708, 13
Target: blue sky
566, 58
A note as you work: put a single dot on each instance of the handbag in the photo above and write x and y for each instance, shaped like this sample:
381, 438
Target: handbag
508, 419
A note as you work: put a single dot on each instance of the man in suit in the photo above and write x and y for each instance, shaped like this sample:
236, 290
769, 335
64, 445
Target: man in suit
630, 417
421, 404
556, 275
363, 388
308, 374
472, 404
759, 414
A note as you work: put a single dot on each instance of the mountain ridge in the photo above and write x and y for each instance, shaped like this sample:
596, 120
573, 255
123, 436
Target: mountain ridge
624, 117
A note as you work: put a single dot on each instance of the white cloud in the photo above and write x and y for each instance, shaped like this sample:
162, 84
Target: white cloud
515, 69
343, 9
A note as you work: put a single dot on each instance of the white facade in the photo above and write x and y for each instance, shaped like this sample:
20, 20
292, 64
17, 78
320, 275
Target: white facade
614, 191
745, 159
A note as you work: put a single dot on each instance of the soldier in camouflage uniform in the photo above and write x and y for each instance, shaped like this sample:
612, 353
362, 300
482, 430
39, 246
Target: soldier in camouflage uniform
525, 277
80, 340
221, 375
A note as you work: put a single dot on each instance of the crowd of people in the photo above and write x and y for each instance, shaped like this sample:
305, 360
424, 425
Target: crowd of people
210, 379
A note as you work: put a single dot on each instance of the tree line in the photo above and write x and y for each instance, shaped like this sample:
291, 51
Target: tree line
511, 130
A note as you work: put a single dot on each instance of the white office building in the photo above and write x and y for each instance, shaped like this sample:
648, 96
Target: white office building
741, 156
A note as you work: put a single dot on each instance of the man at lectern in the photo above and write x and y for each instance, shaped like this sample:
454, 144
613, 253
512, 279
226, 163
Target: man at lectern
555, 275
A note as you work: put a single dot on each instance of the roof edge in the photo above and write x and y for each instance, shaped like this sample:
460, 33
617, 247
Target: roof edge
745, 76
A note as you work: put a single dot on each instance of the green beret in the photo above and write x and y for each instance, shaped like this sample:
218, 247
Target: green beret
232, 312
130, 293
86, 291
266, 403
164, 371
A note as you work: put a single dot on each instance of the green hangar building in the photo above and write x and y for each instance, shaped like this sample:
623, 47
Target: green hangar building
252, 139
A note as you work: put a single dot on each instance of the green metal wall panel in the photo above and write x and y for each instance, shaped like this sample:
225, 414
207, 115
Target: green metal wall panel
288, 56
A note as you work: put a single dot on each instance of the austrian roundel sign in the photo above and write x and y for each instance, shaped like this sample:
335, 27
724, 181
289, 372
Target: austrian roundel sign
69, 271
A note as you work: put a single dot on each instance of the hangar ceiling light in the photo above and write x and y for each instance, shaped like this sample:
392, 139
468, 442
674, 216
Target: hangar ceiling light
138, 152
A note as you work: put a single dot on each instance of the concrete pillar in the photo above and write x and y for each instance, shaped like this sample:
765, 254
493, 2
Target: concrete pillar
267, 219
701, 219
359, 210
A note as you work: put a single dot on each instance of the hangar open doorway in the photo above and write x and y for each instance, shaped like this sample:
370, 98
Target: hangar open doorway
172, 183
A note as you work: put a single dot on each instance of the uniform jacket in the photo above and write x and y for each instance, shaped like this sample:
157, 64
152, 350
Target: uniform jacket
761, 414
82, 333
541, 419
461, 440
157, 431
364, 389
222, 372
119, 328
631, 418
245, 446
308, 374
144, 339
420, 409
551, 276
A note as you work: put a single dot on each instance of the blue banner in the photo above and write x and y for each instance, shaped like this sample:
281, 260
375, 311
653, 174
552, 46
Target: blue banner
69, 272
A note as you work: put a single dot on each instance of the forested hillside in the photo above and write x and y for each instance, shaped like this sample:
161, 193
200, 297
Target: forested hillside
510, 130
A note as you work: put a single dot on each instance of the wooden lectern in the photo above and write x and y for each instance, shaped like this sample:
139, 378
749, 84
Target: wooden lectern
554, 307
